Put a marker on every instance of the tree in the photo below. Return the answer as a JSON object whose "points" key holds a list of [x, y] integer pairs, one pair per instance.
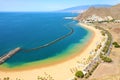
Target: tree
{"points": [[79, 74]]}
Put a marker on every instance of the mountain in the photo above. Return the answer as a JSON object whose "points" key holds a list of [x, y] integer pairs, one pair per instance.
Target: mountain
{"points": [[83, 8], [113, 11]]}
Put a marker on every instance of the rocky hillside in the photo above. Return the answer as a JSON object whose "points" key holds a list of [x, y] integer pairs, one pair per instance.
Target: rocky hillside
{"points": [[113, 11]]}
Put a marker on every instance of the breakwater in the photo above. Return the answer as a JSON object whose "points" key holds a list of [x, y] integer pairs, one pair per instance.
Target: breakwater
{"points": [[14, 51], [52, 42], [8, 55]]}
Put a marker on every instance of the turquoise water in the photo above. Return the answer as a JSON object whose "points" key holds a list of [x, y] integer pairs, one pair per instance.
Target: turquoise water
{"points": [[30, 30]]}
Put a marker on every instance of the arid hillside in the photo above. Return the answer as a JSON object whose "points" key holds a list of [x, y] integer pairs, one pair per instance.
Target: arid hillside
{"points": [[113, 11]]}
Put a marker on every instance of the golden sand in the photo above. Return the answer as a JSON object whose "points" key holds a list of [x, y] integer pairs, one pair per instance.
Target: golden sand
{"points": [[63, 70]]}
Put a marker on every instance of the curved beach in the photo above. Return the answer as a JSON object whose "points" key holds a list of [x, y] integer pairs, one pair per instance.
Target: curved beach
{"points": [[62, 70]]}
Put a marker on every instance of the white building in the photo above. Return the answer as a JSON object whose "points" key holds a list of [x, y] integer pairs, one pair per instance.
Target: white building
{"points": [[95, 18], [117, 21]]}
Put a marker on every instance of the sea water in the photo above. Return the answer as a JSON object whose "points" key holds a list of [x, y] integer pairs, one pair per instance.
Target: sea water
{"points": [[30, 30]]}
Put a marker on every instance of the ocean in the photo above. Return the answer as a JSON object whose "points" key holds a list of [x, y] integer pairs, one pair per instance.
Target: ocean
{"points": [[33, 29]]}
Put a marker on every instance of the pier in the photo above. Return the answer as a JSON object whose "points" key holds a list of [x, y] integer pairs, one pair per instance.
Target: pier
{"points": [[8, 55]]}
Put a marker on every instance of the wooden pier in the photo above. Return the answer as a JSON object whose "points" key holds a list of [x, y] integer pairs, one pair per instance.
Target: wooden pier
{"points": [[8, 55]]}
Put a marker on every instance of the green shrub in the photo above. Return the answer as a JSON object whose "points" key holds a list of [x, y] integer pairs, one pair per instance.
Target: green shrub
{"points": [[79, 74], [87, 76], [116, 45], [75, 78], [105, 58], [103, 33], [90, 73]]}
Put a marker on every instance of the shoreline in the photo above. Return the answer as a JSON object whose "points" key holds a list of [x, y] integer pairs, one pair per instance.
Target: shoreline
{"points": [[40, 64], [64, 65]]}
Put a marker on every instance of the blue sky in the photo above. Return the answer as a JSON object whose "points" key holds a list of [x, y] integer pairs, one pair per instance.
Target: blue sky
{"points": [[48, 5]]}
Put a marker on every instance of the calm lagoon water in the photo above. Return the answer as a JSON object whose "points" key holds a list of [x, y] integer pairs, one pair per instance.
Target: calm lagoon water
{"points": [[30, 30]]}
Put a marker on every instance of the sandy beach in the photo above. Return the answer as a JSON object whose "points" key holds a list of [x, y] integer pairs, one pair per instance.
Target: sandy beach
{"points": [[63, 70]]}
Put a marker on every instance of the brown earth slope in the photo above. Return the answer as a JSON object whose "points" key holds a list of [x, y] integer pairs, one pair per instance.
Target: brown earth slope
{"points": [[113, 11]]}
